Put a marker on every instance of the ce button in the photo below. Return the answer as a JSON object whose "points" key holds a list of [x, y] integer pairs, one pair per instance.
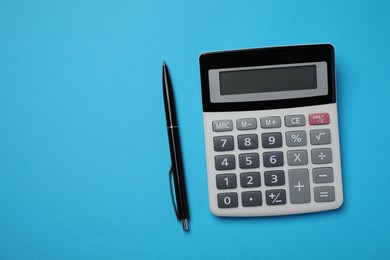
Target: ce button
{"points": [[295, 120]]}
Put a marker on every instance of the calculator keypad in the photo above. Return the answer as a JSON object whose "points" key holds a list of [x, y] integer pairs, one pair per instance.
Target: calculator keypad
{"points": [[273, 161]]}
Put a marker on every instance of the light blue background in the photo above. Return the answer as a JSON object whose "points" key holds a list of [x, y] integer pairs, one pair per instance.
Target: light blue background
{"points": [[83, 145]]}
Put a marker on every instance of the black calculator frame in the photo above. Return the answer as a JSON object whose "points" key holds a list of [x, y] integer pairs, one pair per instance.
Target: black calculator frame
{"points": [[267, 56]]}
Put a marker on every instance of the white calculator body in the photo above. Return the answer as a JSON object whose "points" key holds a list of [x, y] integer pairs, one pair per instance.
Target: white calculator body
{"points": [[271, 130]]}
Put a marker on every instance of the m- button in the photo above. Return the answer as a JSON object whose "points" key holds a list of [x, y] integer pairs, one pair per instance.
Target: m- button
{"points": [[246, 123], [295, 120]]}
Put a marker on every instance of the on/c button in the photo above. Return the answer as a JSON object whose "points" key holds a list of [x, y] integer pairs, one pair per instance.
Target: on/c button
{"points": [[319, 119]]}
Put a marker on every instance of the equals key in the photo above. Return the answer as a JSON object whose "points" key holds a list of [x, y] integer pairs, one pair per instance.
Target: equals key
{"points": [[324, 194]]}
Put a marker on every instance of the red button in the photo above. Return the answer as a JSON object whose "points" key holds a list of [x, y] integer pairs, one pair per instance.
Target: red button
{"points": [[319, 119]]}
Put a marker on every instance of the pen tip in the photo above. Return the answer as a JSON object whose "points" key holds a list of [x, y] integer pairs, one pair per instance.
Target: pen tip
{"points": [[185, 224], [164, 63]]}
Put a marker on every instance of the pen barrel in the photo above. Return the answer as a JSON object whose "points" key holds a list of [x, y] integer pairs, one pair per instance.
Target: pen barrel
{"points": [[178, 172]]}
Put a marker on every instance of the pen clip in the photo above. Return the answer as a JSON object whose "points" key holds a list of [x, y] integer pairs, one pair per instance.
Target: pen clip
{"points": [[171, 189]]}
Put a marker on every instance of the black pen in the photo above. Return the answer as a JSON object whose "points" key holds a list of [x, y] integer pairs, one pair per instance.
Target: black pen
{"points": [[176, 170]]}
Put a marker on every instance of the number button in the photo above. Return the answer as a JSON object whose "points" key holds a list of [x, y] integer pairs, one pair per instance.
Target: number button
{"points": [[226, 181], [227, 200], [246, 142], [296, 138], [223, 143], [224, 162], [273, 159], [274, 178], [250, 179], [271, 140], [249, 160]]}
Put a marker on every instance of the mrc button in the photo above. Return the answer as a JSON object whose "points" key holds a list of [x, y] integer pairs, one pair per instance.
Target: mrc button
{"points": [[222, 125]]}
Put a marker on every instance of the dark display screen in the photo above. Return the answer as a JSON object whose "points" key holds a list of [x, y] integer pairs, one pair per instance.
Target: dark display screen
{"points": [[268, 80]]}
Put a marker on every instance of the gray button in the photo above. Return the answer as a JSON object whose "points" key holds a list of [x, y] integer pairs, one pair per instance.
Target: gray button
{"points": [[323, 175], [324, 194], [275, 197], [249, 160], [251, 198], [223, 143], [274, 178], [271, 140], [227, 200], [273, 159], [294, 120], [320, 136], [226, 181], [296, 138], [270, 122], [299, 186], [246, 142], [250, 179], [297, 157], [225, 162], [246, 124], [222, 125], [323, 155]]}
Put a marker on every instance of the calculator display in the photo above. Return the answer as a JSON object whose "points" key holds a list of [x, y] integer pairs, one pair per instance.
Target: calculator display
{"points": [[268, 80]]}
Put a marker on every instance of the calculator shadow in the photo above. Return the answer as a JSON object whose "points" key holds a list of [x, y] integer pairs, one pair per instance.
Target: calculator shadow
{"points": [[312, 216]]}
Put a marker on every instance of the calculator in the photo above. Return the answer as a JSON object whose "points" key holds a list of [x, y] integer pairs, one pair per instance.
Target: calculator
{"points": [[271, 130]]}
